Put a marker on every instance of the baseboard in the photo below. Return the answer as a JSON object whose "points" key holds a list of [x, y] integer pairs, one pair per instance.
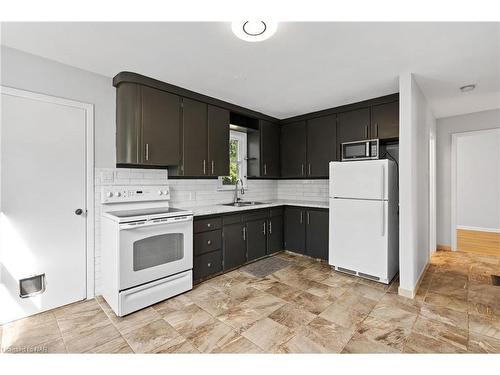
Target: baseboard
{"points": [[443, 248], [410, 293], [482, 242]]}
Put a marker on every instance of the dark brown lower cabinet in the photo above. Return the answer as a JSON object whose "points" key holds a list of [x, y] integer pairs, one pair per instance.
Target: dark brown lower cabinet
{"points": [[234, 245], [256, 232], [207, 264], [306, 231], [295, 232], [275, 234]]}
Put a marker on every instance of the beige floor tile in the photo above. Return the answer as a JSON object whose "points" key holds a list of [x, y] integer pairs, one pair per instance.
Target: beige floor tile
{"points": [[267, 333], [214, 302], [292, 316], [299, 345], [30, 332], [212, 335], [449, 286], [314, 274], [446, 301], [133, 321], [438, 337], [283, 291], [312, 303], [483, 344], [330, 336], [339, 280], [362, 344], [343, 315], [174, 347], [88, 339], [484, 299], [188, 320], [80, 318], [384, 332], [485, 325], [151, 336], [444, 315], [238, 345], [399, 311], [117, 345], [264, 304], [173, 304]]}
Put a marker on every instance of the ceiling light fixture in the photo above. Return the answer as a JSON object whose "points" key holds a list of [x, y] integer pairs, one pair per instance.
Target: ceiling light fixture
{"points": [[254, 31], [467, 88]]}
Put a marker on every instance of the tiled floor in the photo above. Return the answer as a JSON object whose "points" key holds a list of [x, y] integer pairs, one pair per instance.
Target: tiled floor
{"points": [[304, 308]]}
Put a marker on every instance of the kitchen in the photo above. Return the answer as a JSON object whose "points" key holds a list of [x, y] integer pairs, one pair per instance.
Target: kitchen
{"points": [[293, 223]]}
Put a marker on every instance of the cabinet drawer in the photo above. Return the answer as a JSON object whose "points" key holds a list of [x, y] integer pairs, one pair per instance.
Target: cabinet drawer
{"points": [[207, 241], [231, 219], [205, 225], [255, 215], [207, 264]]}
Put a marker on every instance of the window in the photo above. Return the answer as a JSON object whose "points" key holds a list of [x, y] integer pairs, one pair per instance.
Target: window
{"points": [[237, 160]]}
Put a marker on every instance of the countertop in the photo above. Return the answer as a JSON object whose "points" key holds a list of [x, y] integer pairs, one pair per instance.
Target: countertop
{"points": [[221, 209]]}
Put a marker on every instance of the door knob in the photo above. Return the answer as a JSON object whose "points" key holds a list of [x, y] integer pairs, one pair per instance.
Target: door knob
{"points": [[78, 211]]}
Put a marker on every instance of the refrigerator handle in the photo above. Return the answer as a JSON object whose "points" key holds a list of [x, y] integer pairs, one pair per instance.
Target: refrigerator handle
{"points": [[383, 218], [383, 183]]}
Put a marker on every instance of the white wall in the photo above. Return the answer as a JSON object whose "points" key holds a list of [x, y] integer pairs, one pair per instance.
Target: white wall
{"points": [[445, 128], [478, 179], [417, 124], [33, 73]]}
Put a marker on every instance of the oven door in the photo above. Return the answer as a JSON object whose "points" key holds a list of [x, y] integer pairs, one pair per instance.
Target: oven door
{"points": [[154, 249]]}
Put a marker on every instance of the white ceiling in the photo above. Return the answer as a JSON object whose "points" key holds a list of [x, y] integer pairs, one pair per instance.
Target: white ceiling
{"points": [[304, 67]]}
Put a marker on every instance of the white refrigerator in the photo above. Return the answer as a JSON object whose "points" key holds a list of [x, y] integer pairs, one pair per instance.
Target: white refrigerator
{"points": [[364, 225]]}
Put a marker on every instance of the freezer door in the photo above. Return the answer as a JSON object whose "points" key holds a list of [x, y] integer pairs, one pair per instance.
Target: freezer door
{"points": [[358, 236], [359, 179]]}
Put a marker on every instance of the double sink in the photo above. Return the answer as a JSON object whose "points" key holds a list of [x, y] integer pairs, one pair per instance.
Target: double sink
{"points": [[243, 204]]}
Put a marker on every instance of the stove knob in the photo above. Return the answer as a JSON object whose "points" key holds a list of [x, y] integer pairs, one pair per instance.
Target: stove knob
{"points": [[118, 194], [165, 192], [160, 192], [109, 194]]}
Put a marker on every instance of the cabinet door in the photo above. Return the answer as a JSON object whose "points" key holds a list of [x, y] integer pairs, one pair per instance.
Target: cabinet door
{"points": [[256, 239], [194, 125], [160, 127], [293, 149], [270, 149], [321, 145], [233, 245], [317, 233], [275, 234], [218, 141], [128, 129], [295, 232], [385, 121], [353, 125]]}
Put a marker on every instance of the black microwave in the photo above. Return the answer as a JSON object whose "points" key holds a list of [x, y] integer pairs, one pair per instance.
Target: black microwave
{"points": [[360, 150]]}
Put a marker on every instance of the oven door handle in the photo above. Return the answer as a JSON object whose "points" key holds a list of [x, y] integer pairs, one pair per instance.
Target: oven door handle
{"points": [[155, 222]]}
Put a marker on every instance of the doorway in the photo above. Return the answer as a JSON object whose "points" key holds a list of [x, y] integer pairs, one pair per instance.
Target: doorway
{"points": [[46, 203], [475, 190]]}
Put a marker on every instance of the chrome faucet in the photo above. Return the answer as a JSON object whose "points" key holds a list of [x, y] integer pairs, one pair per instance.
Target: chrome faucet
{"points": [[236, 199]]}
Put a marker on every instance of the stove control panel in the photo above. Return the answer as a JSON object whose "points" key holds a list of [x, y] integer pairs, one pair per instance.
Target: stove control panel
{"points": [[130, 193]]}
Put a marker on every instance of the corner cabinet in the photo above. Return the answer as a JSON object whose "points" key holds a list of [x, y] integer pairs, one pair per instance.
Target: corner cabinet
{"points": [[148, 126], [293, 149], [270, 149]]}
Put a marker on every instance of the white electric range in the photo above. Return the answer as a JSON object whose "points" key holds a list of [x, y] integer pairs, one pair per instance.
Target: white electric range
{"points": [[147, 247]]}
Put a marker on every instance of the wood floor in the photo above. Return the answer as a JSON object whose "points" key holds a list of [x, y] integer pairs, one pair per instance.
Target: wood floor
{"points": [[478, 242], [304, 308]]}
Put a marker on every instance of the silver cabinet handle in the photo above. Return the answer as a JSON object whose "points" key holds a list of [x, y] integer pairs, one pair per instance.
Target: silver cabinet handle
{"points": [[147, 151], [264, 228], [302, 170], [265, 169], [308, 218], [213, 166], [301, 217], [366, 131], [376, 129], [309, 169], [204, 166], [244, 233], [270, 227]]}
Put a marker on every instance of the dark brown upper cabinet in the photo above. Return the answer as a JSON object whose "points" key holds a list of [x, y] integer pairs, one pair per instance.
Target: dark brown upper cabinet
{"points": [[385, 121], [148, 125], [194, 138], [354, 125], [218, 141], [321, 145], [270, 149], [293, 149]]}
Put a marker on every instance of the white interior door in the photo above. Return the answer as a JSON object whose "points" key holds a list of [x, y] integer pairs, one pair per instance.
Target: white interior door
{"points": [[43, 182], [358, 235]]}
